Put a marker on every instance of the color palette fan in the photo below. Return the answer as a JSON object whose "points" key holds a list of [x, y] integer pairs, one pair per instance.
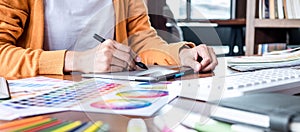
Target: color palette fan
{"points": [[97, 95]]}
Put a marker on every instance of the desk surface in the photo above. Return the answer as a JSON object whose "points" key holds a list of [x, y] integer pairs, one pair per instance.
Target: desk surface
{"points": [[119, 122]]}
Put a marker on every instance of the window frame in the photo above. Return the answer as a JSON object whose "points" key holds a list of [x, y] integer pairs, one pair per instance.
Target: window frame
{"points": [[189, 12]]}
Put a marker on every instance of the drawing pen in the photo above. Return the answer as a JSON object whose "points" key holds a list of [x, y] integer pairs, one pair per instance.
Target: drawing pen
{"points": [[101, 39]]}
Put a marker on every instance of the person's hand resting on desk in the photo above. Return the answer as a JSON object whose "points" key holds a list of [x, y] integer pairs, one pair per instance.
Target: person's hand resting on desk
{"points": [[109, 56], [189, 56]]}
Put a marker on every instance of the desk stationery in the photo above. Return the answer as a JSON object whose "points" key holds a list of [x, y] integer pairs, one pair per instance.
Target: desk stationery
{"points": [[119, 122]]}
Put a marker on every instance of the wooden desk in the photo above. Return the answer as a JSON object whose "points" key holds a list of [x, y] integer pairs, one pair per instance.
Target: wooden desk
{"points": [[118, 123]]}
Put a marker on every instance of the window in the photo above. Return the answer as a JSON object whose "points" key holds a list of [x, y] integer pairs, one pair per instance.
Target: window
{"points": [[193, 10]]}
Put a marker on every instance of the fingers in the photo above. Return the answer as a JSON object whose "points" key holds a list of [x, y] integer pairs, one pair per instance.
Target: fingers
{"points": [[121, 47], [126, 54], [125, 49], [203, 51], [115, 69], [117, 62], [214, 61], [193, 64], [200, 58], [126, 58], [121, 55]]}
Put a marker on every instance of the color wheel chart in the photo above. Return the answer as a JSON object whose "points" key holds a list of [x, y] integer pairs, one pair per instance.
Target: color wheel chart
{"points": [[96, 95]]}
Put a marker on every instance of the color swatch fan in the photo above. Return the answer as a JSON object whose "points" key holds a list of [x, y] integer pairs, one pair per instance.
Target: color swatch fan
{"points": [[96, 95]]}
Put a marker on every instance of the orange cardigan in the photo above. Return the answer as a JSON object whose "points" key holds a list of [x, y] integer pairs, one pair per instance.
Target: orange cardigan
{"points": [[22, 34]]}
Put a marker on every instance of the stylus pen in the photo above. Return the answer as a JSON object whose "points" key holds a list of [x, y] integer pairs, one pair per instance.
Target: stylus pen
{"points": [[101, 39]]}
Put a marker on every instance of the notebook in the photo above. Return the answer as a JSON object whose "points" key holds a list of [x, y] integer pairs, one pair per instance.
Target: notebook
{"points": [[278, 112], [277, 59], [153, 74]]}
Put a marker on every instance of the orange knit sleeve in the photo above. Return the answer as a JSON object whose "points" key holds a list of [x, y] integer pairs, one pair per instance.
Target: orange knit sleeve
{"points": [[144, 40], [20, 41]]}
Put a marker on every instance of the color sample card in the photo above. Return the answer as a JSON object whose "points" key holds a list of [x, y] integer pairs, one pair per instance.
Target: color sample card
{"points": [[35, 85], [97, 95]]}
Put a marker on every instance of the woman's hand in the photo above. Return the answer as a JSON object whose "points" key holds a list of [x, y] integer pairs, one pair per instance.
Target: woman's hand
{"points": [[109, 56], [189, 57]]}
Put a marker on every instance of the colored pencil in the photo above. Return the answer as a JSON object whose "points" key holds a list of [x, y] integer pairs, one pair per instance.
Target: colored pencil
{"points": [[104, 128], [77, 127], [55, 127], [34, 125], [45, 126], [82, 128], [20, 122], [94, 127], [26, 125], [68, 127]]}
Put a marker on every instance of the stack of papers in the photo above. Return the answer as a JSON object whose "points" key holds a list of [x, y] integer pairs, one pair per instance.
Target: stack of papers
{"points": [[285, 58]]}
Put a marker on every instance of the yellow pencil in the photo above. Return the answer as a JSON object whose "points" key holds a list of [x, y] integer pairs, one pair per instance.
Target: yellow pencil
{"points": [[68, 127], [94, 127]]}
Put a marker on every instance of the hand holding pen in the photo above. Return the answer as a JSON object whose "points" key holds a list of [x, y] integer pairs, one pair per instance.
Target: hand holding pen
{"points": [[125, 49]]}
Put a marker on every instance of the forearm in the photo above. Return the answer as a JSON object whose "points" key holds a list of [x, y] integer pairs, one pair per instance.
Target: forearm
{"points": [[72, 61], [20, 62], [69, 58]]}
